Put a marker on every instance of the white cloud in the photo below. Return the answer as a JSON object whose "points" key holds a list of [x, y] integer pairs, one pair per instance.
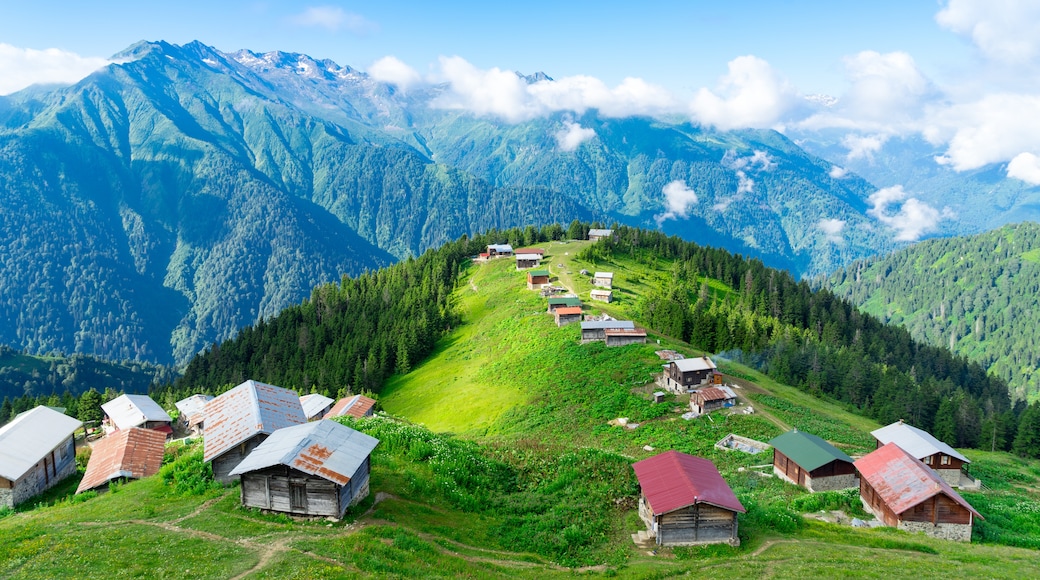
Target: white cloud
{"points": [[21, 67], [678, 199], [885, 87], [572, 135], [759, 158], [832, 229], [1003, 30], [391, 70], [334, 19], [750, 95], [914, 218], [993, 129], [837, 172], [862, 146], [1025, 166], [744, 183]]}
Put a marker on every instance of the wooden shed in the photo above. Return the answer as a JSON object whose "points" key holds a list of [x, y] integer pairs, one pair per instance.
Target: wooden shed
{"points": [[944, 459], [597, 329], [602, 295], [528, 261], [806, 460], [240, 419], [685, 501], [567, 314], [536, 279], [624, 336], [596, 235], [126, 454], [557, 302], [603, 279], [315, 469], [711, 399], [499, 250], [903, 492], [37, 450]]}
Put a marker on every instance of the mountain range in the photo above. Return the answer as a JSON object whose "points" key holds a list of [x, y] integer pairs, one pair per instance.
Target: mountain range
{"points": [[181, 193]]}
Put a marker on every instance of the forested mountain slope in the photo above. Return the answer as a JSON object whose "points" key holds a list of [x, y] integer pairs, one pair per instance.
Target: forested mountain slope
{"points": [[977, 295], [169, 199]]}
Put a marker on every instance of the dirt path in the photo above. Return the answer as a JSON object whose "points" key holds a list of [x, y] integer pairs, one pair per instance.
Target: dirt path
{"points": [[202, 507], [747, 386]]}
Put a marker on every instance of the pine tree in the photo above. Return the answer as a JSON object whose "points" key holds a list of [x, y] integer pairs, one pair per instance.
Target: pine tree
{"points": [[945, 428], [90, 407], [1027, 441]]}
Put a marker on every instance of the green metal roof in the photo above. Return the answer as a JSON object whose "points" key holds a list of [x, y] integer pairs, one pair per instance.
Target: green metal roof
{"points": [[808, 451], [565, 301], [538, 272]]}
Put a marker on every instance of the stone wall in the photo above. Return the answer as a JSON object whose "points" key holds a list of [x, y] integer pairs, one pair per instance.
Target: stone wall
{"points": [[957, 478], [956, 532], [832, 483], [6, 498]]}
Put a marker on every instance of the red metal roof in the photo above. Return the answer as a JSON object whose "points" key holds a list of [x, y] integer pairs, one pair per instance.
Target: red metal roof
{"points": [[132, 453], [529, 251], [356, 406], [713, 394], [565, 310], [902, 481], [674, 480], [247, 410]]}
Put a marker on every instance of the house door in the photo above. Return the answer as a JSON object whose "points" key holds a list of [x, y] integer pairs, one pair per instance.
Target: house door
{"points": [[298, 496]]}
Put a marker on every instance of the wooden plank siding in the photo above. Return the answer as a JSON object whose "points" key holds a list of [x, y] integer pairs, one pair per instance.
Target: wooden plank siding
{"points": [[223, 465], [284, 489], [698, 523]]}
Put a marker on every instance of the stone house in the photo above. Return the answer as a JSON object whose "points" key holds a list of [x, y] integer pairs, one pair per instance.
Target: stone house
{"points": [[37, 450], [945, 460]]}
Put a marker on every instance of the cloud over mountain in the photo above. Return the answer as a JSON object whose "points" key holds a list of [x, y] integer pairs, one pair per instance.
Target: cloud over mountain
{"points": [[21, 67]]}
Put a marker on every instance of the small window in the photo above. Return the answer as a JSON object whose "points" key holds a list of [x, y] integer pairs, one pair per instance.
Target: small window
{"points": [[928, 460], [298, 496], [945, 459]]}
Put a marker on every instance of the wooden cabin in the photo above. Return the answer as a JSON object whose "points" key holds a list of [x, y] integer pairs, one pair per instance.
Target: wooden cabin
{"points": [[528, 261], [126, 411], [601, 295], [810, 462], [597, 329], [567, 314], [903, 492], [944, 459], [685, 501], [624, 336], [709, 399], [193, 413], [603, 279], [356, 406], [499, 250], [37, 451], [316, 406], [242, 418], [689, 373], [126, 454], [539, 251], [596, 235], [558, 301], [315, 469], [536, 279]]}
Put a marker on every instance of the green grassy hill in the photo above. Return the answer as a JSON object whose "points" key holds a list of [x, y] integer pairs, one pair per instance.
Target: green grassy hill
{"points": [[502, 462]]}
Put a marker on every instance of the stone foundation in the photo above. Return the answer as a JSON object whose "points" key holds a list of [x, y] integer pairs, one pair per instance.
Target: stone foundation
{"points": [[956, 532], [832, 483], [6, 498], [957, 478]]}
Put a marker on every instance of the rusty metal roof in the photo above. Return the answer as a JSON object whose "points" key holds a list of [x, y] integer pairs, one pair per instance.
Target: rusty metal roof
{"points": [[323, 448], [193, 405], [356, 406], [314, 404], [715, 394], [132, 453], [30, 436], [914, 441], [538, 251], [673, 480], [247, 410], [565, 310], [128, 411], [902, 481]]}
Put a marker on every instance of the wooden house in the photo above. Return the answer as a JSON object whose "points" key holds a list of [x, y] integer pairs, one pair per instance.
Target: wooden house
{"points": [[708, 399], [601, 295], [315, 469], [558, 301], [126, 454], [356, 406], [536, 279], [603, 279], [567, 314], [126, 411], [624, 336], [316, 406], [903, 492], [806, 460], [37, 450], [499, 250], [689, 373], [528, 261], [193, 413], [685, 501], [597, 329], [240, 419], [596, 235], [945, 460], [539, 251]]}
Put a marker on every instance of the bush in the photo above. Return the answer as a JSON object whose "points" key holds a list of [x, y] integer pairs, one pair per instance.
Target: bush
{"points": [[189, 474]]}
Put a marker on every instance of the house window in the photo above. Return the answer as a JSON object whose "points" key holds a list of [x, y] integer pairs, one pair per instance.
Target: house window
{"points": [[928, 460], [64, 452], [298, 496], [945, 460]]}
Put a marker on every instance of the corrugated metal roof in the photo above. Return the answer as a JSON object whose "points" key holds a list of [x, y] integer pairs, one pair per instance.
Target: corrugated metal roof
{"points": [[30, 436], [565, 301], [355, 406], [314, 404], [715, 394], [607, 324], [538, 251], [193, 405], [807, 450], [902, 481], [915, 441], [701, 363], [568, 310], [600, 292], [247, 410], [674, 480], [533, 273], [323, 448], [128, 411], [133, 453], [603, 275], [500, 248], [624, 332], [535, 257], [596, 232]]}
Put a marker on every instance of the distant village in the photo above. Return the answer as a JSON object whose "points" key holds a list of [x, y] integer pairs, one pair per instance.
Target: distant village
{"points": [[290, 457]]}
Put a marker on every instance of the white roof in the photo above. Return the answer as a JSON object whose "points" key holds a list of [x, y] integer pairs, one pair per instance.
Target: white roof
{"points": [[604, 275], [608, 324], [314, 404], [528, 257], [128, 411], [914, 441], [600, 232], [193, 404], [601, 292], [30, 436], [500, 247], [322, 448], [701, 363]]}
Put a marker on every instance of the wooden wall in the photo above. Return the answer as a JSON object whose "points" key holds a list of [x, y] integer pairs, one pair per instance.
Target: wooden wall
{"points": [[699, 523], [284, 489], [223, 464]]}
